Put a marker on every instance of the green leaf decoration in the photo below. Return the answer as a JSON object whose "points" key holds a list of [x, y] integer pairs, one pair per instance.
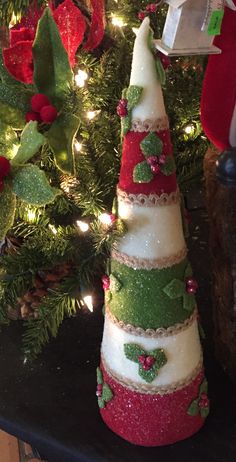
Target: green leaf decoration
{"points": [[11, 115], [126, 123], [115, 284], [124, 93], [101, 403], [189, 302], [151, 145], [52, 71], [108, 296], [204, 412], [175, 289], [133, 351], [31, 141], [193, 409], [7, 210], [133, 95], [30, 184], [188, 272], [152, 373], [99, 376], [169, 166], [142, 173], [160, 72], [61, 136], [107, 394], [8, 141], [203, 387]]}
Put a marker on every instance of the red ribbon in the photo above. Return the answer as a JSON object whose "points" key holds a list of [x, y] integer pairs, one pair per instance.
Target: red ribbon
{"points": [[97, 28]]}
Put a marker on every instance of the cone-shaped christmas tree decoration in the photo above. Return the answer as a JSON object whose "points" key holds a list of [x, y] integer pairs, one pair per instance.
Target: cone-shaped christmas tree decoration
{"points": [[151, 386]]}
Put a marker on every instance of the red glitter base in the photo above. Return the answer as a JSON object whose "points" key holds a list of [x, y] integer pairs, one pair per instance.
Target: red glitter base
{"points": [[132, 155], [151, 420]]}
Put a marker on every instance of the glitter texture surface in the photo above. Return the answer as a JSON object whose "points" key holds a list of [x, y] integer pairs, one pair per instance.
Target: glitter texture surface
{"points": [[152, 420]]}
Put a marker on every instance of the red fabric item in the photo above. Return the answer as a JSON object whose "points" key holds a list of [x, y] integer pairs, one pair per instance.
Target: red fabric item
{"points": [[18, 60], [97, 25], [38, 101], [5, 167], [48, 114], [132, 155], [219, 86], [72, 26], [19, 35], [151, 420], [31, 115]]}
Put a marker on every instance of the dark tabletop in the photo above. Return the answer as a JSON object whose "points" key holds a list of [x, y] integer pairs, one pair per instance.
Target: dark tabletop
{"points": [[52, 404]]}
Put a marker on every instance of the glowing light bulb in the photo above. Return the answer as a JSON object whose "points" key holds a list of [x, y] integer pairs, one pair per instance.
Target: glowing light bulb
{"points": [[189, 129], [31, 215], [78, 146], [92, 114], [117, 21], [82, 225], [88, 300], [80, 78], [106, 219], [53, 229]]}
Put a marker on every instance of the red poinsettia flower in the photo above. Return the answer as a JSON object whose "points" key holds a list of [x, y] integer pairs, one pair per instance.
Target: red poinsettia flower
{"points": [[18, 58]]}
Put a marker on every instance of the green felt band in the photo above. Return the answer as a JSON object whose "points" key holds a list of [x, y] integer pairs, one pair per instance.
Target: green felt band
{"points": [[141, 300]]}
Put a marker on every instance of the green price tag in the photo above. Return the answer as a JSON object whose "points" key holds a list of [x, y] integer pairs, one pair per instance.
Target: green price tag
{"points": [[215, 22]]}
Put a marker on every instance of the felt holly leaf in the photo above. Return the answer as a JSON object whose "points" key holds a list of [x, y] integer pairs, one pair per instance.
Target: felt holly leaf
{"points": [[133, 96], [204, 411], [189, 302], [31, 141], [161, 75], [8, 140], [160, 361], [30, 184], [115, 284], [126, 123], [133, 351], [142, 173], [7, 210], [52, 72], [61, 136], [107, 394], [175, 289], [203, 387], [151, 145], [188, 271], [124, 93], [108, 296], [16, 96], [101, 403], [99, 376], [11, 116], [193, 409], [169, 166]]}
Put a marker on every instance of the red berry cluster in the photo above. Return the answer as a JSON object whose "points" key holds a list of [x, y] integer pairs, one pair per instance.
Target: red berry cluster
{"points": [[105, 282], [156, 163], [204, 401], [122, 109], [146, 361], [150, 8], [5, 168], [191, 286], [41, 109], [99, 390]]}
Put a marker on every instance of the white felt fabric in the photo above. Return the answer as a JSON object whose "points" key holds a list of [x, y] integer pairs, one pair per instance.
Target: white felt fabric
{"points": [[183, 353]]}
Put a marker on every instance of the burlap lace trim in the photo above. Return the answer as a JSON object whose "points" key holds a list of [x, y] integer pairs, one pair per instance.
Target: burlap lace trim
{"points": [[151, 200], [146, 263], [150, 389], [153, 333], [150, 125]]}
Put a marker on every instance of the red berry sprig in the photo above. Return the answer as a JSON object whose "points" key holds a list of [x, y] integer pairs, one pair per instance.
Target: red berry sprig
{"points": [[191, 286], [105, 282], [146, 361], [5, 168], [41, 109], [122, 108], [150, 8], [204, 401], [156, 163]]}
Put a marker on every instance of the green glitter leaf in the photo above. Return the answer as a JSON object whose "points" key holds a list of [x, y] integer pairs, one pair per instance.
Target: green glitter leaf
{"points": [[203, 387], [115, 284], [8, 140], [107, 394], [193, 409], [189, 302], [151, 145], [188, 272], [52, 71], [31, 141], [160, 72], [61, 136], [160, 361], [11, 115], [101, 403], [99, 376], [133, 94], [175, 289], [124, 93], [7, 210], [133, 351], [204, 411], [126, 123], [169, 166], [31, 185], [142, 173]]}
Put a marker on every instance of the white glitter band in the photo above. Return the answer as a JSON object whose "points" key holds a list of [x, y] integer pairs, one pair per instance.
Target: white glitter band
{"points": [[146, 263], [151, 200], [150, 125]]}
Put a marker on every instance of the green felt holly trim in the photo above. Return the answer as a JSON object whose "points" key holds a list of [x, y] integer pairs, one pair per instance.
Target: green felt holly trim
{"points": [[61, 136], [133, 352], [161, 75], [115, 284], [142, 302], [107, 394], [11, 115], [31, 141], [151, 145], [195, 407], [7, 210], [177, 289], [30, 184], [133, 95], [126, 123], [142, 173], [169, 166], [52, 71], [8, 140]]}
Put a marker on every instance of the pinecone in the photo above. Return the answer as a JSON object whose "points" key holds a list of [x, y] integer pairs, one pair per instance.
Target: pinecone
{"points": [[44, 282]]}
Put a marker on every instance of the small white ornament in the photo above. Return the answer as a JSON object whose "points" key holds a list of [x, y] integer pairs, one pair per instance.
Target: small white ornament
{"points": [[185, 30]]}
